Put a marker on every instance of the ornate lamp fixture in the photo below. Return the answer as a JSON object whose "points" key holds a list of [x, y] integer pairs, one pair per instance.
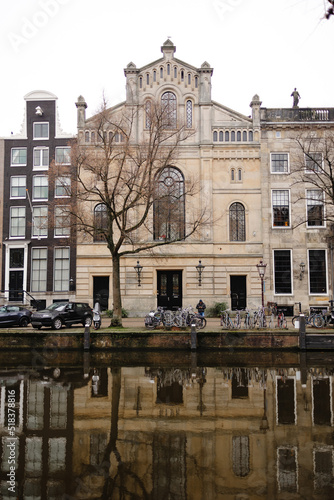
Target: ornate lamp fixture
{"points": [[200, 268], [138, 268], [261, 267]]}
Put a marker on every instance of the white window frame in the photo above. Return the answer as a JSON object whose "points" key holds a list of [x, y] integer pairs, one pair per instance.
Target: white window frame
{"points": [[272, 209], [64, 272], [40, 222], [38, 137], [281, 294], [61, 230], [58, 148], [271, 162], [12, 164], [322, 226], [41, 165], [39, 269], [35, 187], [308, 268], [23, 197], [61, 181], [21, 216]]}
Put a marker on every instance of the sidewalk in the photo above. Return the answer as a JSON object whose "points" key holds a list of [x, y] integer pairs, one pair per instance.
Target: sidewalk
{"points": [[212, 323]]}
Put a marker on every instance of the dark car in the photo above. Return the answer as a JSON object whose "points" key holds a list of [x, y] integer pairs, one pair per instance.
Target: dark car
{"points": [[63, 314], [14, 315]]}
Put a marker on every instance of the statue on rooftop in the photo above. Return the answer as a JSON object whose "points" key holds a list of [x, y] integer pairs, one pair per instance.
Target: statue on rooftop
{"points": [[296, 97]]}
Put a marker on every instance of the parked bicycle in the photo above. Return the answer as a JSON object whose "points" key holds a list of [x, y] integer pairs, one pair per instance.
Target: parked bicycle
{"points": [[155, 318]]}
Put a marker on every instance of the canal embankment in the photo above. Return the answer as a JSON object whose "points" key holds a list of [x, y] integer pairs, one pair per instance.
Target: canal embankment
{"points": [[134, 336]]}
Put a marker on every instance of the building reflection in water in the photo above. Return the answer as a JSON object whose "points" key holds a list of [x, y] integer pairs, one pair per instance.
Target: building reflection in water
{"points": [[155, 432]]}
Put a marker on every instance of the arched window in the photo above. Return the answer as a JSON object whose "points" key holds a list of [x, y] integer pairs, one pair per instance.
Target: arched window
{"points": [[100, 222], [237, 222], [92, 136], [140, 82], [154, 76], [86, 136], [221, 136], [168, 103], [238, 136], [189, 78], [232, 136], [227, 136], [175, 72], [196, 82], [169, 205], [182, 75], [189, 113], [148, 114], [251, 136], [147, 78], [232, 174], [239, 174], [161, 72], [244, 136], [215, 136], [168, 69]]}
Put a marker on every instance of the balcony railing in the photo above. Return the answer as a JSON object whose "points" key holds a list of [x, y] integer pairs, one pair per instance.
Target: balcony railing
{"points": [[297, 114]]}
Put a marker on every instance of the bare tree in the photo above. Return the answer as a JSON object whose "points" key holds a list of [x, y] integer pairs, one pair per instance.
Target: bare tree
{"points": [[312, 169], [126, 192]]}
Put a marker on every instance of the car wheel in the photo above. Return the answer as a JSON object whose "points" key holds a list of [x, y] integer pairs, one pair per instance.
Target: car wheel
{"points": [[57, 324], [24, 322], [87, 321]]}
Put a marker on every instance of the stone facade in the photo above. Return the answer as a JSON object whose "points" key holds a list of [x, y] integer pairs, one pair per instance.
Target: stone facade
{"points": [[231, 155]]}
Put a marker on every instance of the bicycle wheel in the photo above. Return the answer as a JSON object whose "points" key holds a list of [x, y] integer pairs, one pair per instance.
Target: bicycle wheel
{"points": [[318, 321], [150, 322], [200, 322], [168, 319]]}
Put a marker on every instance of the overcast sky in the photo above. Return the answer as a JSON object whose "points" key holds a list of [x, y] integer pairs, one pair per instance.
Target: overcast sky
{"points": [[73, 47]]}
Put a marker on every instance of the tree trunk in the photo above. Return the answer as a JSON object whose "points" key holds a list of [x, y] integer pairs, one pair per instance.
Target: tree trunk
{"points": [[116, 290]]}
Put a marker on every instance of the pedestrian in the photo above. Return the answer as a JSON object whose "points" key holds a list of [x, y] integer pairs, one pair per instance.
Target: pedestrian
{"points": [[201, 307]]}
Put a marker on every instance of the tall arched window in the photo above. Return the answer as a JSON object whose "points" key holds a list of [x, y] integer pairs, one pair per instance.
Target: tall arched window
{"points": [[237, 222], [100, 222], [221, 136], [189, 113], [168, 103], [169, 205], [148, 114]]}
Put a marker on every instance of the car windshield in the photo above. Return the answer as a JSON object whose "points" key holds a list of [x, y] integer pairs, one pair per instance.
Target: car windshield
{"points": [[57, 306]]}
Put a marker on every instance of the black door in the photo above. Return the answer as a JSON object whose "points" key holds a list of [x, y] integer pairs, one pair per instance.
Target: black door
{"points": [[101, 291], [16, 286], [169, 289], [238, 293]]}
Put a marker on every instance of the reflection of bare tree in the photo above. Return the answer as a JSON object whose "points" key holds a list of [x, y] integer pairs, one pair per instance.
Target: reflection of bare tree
{"points": [[116, 485]]}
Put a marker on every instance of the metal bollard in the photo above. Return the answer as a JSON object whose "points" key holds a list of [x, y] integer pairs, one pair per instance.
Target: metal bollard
{"points": [[302, 332], [193, 337]]}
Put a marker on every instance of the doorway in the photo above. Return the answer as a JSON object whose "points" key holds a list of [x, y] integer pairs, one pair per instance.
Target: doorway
{"points": [[169, 285], [238, 292], [101, 291]]}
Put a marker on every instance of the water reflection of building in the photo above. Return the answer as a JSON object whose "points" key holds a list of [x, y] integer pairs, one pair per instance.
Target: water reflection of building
{"points": [[206, 433], [43, 429]]}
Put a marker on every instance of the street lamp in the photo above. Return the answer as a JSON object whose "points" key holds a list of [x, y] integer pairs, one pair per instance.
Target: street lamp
{"points": [[200, 268], [138, 268], [262, 271]]}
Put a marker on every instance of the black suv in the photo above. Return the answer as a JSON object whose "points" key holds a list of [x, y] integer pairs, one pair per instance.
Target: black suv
{"points": [[63, 314]]}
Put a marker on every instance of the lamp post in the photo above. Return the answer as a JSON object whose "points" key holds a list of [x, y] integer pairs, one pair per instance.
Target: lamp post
{"points": [[200, 268], [261, 267], [138, 268]]}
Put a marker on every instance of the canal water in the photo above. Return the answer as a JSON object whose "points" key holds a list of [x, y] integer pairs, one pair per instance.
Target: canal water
{"points": [[171, 425]]}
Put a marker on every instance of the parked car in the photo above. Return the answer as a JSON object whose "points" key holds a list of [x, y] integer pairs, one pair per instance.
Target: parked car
{"points": [[14, 315], [62, 314]]}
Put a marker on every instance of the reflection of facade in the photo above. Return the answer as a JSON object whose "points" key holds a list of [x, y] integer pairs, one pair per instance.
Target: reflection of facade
{"points": [[44, 432], [207, 433]]}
